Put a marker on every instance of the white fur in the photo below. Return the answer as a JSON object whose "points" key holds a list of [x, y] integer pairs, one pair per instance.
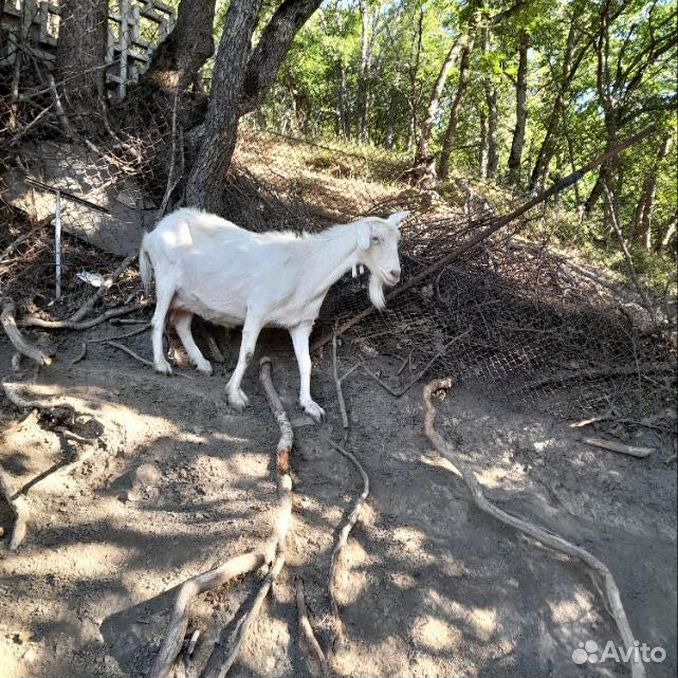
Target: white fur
{"points": [[208, 266]]}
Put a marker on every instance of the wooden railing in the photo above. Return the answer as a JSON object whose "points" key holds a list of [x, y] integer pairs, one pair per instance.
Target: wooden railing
{"points": [[135, 28]]}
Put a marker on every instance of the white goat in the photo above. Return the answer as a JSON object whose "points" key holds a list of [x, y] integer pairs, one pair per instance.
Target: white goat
{"points": [[208, 266]]}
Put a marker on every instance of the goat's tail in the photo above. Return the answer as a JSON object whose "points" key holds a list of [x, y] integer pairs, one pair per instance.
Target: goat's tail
{"points": [[145, 266]]}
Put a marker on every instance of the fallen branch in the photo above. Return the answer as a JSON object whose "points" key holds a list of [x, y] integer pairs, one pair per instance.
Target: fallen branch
{"points": [[19, 507], [176, 629], [611, 592], [100, 293], [621, 448], [307, 629], [495, 225], [32, 321], [343, 537], [402, 391], [283, 514], [8, 320]]}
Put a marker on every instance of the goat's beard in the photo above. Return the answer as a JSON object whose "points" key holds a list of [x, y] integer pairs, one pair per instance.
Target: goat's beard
{"points": [[376, 290]]}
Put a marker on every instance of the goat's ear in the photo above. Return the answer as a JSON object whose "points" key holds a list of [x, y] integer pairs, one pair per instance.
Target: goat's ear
{"points": [[364, 235], [395, 220]]}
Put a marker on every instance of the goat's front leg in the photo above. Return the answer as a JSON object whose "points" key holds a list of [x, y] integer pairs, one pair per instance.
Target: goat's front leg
{"points": [[300, 335], [250, 331]]}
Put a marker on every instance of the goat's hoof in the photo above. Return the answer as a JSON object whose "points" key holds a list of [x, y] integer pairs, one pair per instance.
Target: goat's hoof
{"points": [[238, 400], [204, 368], [163, 367], [314, 411]]}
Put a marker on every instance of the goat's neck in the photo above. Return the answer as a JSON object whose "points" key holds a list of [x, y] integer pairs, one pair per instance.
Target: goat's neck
{"points": [[332, 254]]}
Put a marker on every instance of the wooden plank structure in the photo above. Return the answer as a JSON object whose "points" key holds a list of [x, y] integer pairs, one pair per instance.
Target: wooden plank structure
{"points": [[135, 28]]}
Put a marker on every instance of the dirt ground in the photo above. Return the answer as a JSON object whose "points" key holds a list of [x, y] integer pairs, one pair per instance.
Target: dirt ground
{"points": [[174, 483]]}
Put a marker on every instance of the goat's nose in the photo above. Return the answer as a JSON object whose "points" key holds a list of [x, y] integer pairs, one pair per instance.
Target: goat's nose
{"points": [[395, 273]]}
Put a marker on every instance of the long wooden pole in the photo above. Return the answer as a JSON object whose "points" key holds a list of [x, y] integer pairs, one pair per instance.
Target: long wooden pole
{"points": [[492, 228]]}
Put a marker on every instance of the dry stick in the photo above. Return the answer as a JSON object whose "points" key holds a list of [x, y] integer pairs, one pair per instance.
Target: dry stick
{"points": [[283, 516], [176, 629], [625, 251], [494, 226], [621, 448], [130, 352], [124, 335], [337, 383], [612, 597], [20, 509], [32, 321], [307, 629], [8, 320], [100, 293], [80, 356], [217, 355], [417, 377], [343, 536]]}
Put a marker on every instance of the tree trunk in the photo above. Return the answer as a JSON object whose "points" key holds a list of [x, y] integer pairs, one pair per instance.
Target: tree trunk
{"points": [[669, 230], [344, 106], [455, 110], [492, 116], [270, 51], [516, 155], [179, 58], [239, 83], [414, 72], [434, 102], [205, 184], [642, 224], [368, 33], [81, 47], [482, 155]]}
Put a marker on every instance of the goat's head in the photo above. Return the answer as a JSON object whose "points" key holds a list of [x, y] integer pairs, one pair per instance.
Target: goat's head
{"points": [[378, 250]]}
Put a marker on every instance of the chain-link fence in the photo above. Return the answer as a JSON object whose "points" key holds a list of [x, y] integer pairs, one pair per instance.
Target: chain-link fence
{"points": [[512, 317]]}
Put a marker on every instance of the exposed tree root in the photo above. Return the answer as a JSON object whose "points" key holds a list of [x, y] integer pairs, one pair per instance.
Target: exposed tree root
{"points": [[307, 629], [176, 629], [343, 537], [19, 507], [611, 592], [32, 321], [8, 320], [24, 403], [274, 551]]}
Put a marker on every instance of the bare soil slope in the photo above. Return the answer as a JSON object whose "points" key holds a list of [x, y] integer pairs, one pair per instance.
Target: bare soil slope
{"points": [[174, 483]]}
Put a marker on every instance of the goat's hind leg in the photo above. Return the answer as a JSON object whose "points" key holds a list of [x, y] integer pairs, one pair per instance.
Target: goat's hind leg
{"points": [[182, 324], [164, 292]]}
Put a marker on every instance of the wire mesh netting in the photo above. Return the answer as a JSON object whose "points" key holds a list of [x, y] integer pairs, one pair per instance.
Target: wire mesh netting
{"points": [[513, 317]]}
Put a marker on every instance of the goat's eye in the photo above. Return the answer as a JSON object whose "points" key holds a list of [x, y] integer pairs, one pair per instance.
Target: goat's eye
{"points": [[375, 240]]}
